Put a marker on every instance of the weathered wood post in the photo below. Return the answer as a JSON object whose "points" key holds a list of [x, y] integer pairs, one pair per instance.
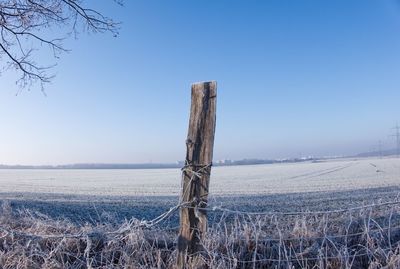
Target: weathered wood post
{"points": [[196, 174]]}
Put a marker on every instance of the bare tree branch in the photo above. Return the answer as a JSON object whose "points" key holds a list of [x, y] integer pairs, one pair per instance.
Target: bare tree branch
{"points": [[25, 24]]}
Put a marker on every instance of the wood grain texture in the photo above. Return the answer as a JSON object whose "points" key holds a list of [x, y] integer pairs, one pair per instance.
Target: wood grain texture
{"points": [[196, 173]]}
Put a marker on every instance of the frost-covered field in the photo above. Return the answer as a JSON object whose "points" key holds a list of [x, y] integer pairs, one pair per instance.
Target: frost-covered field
{"points": [[82, 195], [104, 204], [333, 175]]}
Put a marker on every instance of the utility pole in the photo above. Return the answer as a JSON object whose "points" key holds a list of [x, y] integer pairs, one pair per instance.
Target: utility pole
{"points": [[397, 135]]}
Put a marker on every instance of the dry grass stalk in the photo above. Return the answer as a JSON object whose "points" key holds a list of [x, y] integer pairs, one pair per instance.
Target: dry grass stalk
{"points": [[365, 238]]}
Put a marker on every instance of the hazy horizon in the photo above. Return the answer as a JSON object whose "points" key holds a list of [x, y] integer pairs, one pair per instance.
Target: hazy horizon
{"points": [[373, 150], [294, 79]]}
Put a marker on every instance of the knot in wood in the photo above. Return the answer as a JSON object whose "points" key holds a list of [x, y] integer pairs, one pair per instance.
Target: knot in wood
{"points": [[189, 142]]}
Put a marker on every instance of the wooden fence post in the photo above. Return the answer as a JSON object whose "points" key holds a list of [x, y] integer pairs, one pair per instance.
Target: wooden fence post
{"points": [[196, 174]]}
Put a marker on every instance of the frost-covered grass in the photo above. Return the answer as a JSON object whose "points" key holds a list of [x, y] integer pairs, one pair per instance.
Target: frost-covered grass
{"points": [[365, 238], [331, 175]]}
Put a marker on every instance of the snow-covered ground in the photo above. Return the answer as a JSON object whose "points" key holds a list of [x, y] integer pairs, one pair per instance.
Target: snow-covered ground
{"points": [[330, 175]]}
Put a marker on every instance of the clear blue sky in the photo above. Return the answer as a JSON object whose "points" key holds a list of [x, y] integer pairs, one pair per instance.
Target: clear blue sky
{"points": [[294, 77]]}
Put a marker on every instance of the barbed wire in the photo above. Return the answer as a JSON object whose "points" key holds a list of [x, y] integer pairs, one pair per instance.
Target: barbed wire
{"points": [[313, 238], [272, 213], [134, 223]]}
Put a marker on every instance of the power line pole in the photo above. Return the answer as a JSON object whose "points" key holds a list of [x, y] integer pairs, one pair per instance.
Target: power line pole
{"points": [[397, 135]]}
